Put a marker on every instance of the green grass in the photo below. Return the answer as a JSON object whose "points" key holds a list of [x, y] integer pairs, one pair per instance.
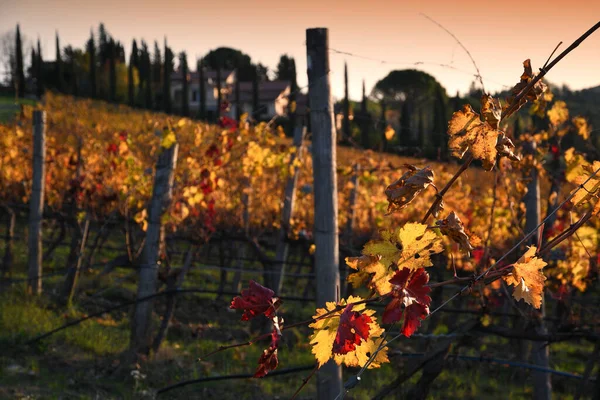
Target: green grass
{"points": [[9, 108]]}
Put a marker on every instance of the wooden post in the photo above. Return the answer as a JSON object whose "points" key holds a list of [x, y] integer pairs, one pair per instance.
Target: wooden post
{"points": [[329, 377], [162, 193], [74, 266], [36, 204], [7, 260], [540, 353], [282, 247]]}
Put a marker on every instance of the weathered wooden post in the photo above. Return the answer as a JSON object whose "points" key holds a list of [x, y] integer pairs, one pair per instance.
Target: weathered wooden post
{"points": [[329, 377], [162, 193], [36, 204], [289, 194], [540, 352]]}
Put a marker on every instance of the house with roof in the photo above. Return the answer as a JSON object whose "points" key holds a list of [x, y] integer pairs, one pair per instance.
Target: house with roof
{"points": [[272, 95], [272, 99], [210, 87]]}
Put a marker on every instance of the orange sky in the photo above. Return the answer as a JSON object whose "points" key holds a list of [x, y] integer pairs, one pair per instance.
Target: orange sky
{"points": [[499, 35]]}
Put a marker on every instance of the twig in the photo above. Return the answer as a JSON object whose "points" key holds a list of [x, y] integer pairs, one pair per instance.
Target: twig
{"points": [[551, 54], [439, 196], [461, 45], [305, 381], [543, 71]]}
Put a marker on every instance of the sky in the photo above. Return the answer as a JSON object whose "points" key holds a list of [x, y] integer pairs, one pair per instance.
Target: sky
{"points": [[379, 35]]}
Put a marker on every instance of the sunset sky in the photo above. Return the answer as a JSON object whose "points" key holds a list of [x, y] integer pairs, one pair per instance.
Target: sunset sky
{"points": [[499, 35]]}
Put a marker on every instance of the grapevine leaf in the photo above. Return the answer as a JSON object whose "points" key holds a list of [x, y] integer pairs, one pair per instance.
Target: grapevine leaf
{"points": [[326, 332], [505, 147], [535, 93], [409, 246], [410, 300], [389, 133], [361, 264], [168, 139], [410, 184], [452, 227], [528, 278], [256, 300], [268, 360], [491, 110], [583, 129], [559, 113], [468, 132], [353, 328], [590, 189]]}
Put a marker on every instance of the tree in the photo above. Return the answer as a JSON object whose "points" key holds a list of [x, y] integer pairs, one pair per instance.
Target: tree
{"points": [[20, 75], [230, 59], [39, 66], [292, 97], [202, 88], [146, 75], [183, 66], [256, 111], [58, 66], [383, 126], [406, 132], [157, 77], [440, 118], [408, 90], [112, 66], [91, 50], [168, 70], [364, 120], [75, 60], [346, 105], [132, 64], [219, 95], [286, 69], [8, 57]]}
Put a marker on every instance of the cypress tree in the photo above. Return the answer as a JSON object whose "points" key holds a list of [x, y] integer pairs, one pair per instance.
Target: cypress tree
{"points": [[148, 80], [201, 89], [112, 96], [59, 71], [346, 105], [20, 74], [157, 76], [32, 70], [185, 103], [39, 71], [168, 68], [422, 139], [130, 83], [364, 121], [219, 97], [383, 123], [91, 49]]}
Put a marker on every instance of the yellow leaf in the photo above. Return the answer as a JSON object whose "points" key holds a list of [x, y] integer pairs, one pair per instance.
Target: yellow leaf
{"points": [[181, 122], [293, 106], [468, 132], [168, 140], [325, 331], [583, 129], [407, 247], [528, 278], [559, 113], [591, 188], [389, 133], [312, 249]]}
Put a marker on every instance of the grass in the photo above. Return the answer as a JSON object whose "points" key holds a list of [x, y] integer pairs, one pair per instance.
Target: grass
{"points": [[9, 108]]}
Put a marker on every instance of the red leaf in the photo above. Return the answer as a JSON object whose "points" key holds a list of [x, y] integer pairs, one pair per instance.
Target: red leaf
{"points": [[112, 148], [410, 299], [268, 360], [256, 300], [123, 136], [412, 318], [353, 328]]}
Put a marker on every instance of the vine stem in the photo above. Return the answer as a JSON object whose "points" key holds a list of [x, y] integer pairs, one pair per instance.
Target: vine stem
{"points": [[305, 381], [439, 196]]}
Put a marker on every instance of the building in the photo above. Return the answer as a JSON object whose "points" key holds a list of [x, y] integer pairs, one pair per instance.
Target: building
{"points": [[272, 95], [210, 86]]}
